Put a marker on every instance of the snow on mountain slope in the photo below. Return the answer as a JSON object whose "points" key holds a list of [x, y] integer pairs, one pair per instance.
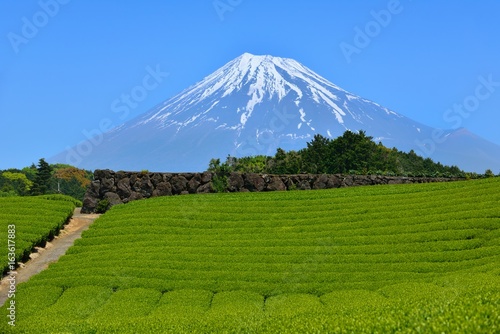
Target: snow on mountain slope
{"points": [[253, 105], [254, 80]]}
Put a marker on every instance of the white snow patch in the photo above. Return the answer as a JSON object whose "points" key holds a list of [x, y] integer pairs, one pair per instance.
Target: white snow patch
{"points": [[212, 106], [336, 110], [302, 115], [243, 119], [388, 112]]}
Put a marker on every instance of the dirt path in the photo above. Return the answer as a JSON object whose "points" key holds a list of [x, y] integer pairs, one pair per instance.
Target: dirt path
{"points": [[42, 257]]}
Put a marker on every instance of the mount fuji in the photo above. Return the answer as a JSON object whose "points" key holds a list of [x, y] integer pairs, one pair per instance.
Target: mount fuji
{"points": [[255, 104]]}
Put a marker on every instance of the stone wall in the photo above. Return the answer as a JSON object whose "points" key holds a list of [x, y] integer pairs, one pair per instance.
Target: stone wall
{"points": [[123, 187]]}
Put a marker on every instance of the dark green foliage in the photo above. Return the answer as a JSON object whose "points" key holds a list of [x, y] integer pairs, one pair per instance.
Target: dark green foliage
{"points": [[220, 183], [41, 185], [351, 153], [70, 187], [489, 173], [318, 154], [221, 174], [102, 206], [357, 153], [285, 163]]}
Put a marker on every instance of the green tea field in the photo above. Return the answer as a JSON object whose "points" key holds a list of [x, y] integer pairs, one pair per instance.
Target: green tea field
{"points": [[421, 258], [28, 222]]}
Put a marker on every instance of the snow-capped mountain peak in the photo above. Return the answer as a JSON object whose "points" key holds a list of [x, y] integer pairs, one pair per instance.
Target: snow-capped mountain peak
{"points": [[256, 80], [250, 106]]}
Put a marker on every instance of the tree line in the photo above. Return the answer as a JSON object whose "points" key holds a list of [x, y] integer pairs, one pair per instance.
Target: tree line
{"points": [[45, 178], [351, 153]]}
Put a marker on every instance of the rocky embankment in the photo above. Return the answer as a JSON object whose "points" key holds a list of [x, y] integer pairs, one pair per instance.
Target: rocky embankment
{"points": [[123, 187]]}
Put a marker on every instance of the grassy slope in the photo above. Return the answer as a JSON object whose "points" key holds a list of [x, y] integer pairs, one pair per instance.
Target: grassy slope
{"points": [[385, 258], [36, 219]]}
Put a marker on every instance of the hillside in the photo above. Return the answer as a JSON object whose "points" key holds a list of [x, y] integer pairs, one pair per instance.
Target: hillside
{"points": [[30, 222], [382, 258]]}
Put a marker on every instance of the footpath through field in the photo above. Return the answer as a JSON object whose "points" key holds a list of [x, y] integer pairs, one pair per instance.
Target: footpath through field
{"points": [[41, 259]]}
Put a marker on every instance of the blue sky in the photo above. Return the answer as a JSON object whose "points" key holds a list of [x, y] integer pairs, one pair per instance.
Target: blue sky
{"points": [[65, 62]]}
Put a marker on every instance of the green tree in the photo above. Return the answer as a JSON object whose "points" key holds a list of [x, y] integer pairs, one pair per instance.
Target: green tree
{"points": [[277, 165], [213, 165], [254, 164], [221, 173], [317, 155], [489, 173], [293, 163], [18, 182], [30, 172], [43, 176], [352, 152]]}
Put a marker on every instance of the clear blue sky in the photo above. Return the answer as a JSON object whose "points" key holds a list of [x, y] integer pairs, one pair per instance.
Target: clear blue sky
{"points": [[61, 78]]}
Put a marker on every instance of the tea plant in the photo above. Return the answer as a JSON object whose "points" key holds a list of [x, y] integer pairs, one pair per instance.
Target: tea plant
{"points": [[400, 258]]}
